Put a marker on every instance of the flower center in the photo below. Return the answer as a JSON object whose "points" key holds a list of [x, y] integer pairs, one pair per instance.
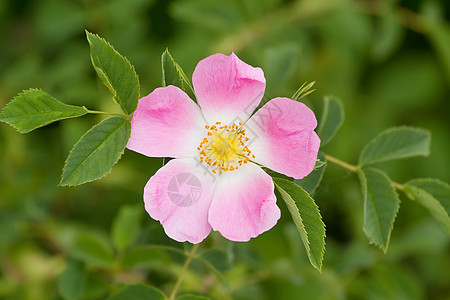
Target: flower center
{"points": [[223, 147]]}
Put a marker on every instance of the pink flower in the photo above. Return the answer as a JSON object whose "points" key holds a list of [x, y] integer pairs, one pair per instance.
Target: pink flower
{"points": [[215, 181]]}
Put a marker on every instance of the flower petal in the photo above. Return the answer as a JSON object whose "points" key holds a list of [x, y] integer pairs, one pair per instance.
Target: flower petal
{"points": [[282, 137], [179, 196], [227, 89], [166, 123], [244, 203]]}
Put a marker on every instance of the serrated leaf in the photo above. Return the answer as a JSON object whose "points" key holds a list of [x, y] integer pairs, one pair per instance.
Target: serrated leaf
{"points": [[217, 259], [307, 218], [172, 74], [116, 73], [434, 195], [312, 181], [92, 249], [35, 108], [331, 119], [72, 281], [126, 225], [381, 204], [97, 151], [395, 143], [138, 292]]}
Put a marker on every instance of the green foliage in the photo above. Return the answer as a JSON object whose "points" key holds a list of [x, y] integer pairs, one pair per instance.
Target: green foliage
{"points": [[116, 73], [34, 108], [97, 286], [354, 49], [126, 226], [213, 15], [138, 292], [381, 204], [307, 218], [173, 74], [192, 297], [388, 36], [312, 181], [279, 65], [332, 118], [71, 283], [396, 143], [151, 255], [303, 91], [218, 259], [93, 249], [432, 194], [438, 32], [97, 151]]}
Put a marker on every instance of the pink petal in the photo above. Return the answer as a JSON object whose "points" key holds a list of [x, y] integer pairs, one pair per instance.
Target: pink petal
{"points": [[179, 196], [166, 123], [244, 203], [227, 89], [283, 137]]}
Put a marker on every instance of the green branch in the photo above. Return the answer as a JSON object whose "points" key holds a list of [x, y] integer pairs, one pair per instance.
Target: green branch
{"points": [[190, 256]]}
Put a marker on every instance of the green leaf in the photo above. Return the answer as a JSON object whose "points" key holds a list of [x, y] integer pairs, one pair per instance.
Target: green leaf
{"points": [[331, 119], [149, 256], [279, 65], [34, 108], [381, 204], [217, 259], [192, 297], [97, 286], [72, 281], [434, 195], [138, 292], [172, 74], [116, 73], [307, 218], [312, 181], [97, 151], [395, 143], [126, 226], [92, 249]]}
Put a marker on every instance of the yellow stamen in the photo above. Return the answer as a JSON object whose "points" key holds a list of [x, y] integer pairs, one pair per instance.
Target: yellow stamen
{"points": [[223, 147]]}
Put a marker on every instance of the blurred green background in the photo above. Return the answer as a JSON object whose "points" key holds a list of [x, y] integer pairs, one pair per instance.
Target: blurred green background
{"points": [[387, 60]]}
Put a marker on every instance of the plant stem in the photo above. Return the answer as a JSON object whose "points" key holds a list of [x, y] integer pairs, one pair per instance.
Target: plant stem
{"points": [[397, 185], [105, 113], [355, 169], [341, 163], [190, 256], [407, 18]]}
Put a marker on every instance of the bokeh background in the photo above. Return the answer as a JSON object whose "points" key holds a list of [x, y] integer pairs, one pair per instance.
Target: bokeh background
{"points": [[387, 60]]}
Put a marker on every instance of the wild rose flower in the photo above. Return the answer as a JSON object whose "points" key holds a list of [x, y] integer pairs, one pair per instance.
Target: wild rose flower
{"points": [[233, 195]]}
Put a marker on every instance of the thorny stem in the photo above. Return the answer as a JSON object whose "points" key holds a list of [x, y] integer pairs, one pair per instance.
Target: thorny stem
{"points": [[190, 256], [354, 168]]}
